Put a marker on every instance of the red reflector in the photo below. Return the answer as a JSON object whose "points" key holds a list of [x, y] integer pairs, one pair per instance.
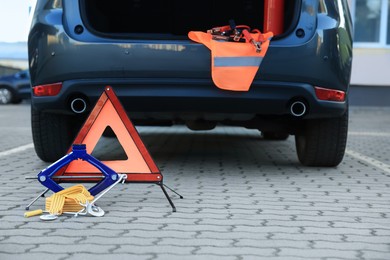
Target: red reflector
{"points": [[329, 94], [47, 90]]}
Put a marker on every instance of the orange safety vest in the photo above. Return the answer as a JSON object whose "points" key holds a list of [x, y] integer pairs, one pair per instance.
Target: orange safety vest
{"points": [[234, 64]]}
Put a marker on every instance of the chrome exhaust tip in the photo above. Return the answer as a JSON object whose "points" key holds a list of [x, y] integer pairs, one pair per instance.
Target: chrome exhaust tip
{"points": [[78, 105], [298, 109]]}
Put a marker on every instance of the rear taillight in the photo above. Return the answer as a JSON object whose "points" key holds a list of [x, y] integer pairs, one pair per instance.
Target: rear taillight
{"points": [[47, 90], [329, 94]]}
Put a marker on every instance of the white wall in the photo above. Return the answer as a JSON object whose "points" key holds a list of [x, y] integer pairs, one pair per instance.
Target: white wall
{"points": [[371, 66]]}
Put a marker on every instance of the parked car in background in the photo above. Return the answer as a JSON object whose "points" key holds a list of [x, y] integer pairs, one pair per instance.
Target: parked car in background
{"points": [[14, 88], [141, 48]]}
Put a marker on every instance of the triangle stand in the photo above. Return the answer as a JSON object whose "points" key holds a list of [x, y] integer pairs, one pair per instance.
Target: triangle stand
{"points": [[139, 167]]}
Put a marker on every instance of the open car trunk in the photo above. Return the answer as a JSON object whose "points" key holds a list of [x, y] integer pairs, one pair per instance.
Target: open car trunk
{"points": [[173, 19]]}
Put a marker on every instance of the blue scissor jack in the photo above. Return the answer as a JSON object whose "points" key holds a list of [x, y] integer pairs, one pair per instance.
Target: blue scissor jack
{"points": [[109, 178], [78, 152]]}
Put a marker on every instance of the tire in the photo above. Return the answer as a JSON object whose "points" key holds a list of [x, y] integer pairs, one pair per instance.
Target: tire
{"points": [[17, 101], [6, 96], [276, 136], [52, 135], [322, 142]]}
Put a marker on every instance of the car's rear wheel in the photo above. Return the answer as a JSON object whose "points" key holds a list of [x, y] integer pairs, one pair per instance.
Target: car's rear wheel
{"points": [[6, 95], [322, 142], [52, 134]]}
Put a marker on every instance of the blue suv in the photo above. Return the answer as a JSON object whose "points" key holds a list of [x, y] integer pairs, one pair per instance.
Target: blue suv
{"points": [[141, 48]]}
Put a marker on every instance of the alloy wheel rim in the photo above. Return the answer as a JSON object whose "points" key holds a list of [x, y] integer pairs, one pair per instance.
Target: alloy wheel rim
{"points": [[5, 96]]}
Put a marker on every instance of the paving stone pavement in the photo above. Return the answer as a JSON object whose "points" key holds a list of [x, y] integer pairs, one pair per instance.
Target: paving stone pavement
{"points": [[244, 198]]}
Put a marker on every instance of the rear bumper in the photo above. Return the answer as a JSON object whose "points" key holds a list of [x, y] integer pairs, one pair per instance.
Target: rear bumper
{"points": [[165, 98]]}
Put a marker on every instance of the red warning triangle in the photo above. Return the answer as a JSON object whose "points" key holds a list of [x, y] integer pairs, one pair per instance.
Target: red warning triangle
{"points": [[108, 111]]}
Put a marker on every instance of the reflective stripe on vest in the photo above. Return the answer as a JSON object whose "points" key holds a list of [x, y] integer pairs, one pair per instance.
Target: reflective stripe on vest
{"points": [[237, 61]]}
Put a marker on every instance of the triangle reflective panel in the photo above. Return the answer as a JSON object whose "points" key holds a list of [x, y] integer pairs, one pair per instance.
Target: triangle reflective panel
{"points": [[108, 112]]}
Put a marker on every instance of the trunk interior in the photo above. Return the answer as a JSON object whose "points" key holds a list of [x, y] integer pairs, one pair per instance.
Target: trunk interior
{"points": [[173, 19]]}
